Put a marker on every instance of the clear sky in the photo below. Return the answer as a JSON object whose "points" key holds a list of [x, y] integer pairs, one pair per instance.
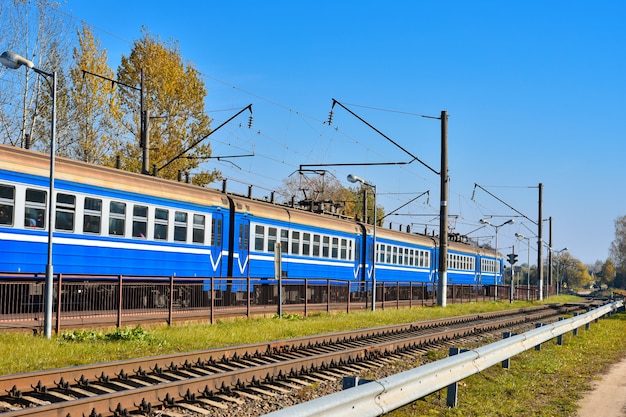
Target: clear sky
{"points": [[535, 92]]}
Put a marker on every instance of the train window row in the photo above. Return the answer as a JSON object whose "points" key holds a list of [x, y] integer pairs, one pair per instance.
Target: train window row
{"points": [[99, 216], [488, 265], [396, 255], [462, 262], [296, 242]]}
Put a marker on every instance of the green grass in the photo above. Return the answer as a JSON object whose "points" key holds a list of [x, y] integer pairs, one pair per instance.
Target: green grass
{"points": [[23, 352], [545, 383]]}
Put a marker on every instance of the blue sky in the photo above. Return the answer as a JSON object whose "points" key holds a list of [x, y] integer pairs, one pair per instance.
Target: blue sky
{"points": [[535, 93]]}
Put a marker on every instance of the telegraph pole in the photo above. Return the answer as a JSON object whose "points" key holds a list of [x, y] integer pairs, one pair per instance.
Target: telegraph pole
{"points": [[539, 244], [442, 293]]}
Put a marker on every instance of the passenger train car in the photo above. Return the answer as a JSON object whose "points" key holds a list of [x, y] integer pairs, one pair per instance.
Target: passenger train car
{"points": [[109, 221]]}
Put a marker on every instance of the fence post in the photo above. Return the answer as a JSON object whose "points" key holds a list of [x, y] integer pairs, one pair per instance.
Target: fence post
{"points": [[306, 296], [538, 325], [57, 327], [212, 292], [348, 301], [451, 400], [171, 306], [506, 364], [398, 295], [559, 338], [328, 295], [119, 301], [249, 291]]}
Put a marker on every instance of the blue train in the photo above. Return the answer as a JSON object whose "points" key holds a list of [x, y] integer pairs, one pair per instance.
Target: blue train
{"points": [[113, 222]]}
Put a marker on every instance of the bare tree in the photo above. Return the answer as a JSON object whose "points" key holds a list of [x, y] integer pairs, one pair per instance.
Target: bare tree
{"points": [[35, 31]]}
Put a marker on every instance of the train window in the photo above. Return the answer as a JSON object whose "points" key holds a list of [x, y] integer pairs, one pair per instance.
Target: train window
{"points": [[344, 249], [350, 250], [325, 246], [357, 251], [65, 211], [198, 228], [388, 254], [306, 244], [295, 243], [259, 237], [335, 248], [271, 239], [316, 245], [7, 202], [140, 221], [117, 218], [284, 240], [216, 227], [35, 208], [160, 224], [180, 226], [244, 233], [93, 215]]}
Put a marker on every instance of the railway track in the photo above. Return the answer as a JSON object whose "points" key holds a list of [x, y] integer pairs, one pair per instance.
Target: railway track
{"points": [[201, 382]]}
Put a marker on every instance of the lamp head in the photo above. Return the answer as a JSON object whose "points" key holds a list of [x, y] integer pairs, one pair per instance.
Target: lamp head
{"points": [[483, 221], [353, 178], [519, 235], [14, 61]]}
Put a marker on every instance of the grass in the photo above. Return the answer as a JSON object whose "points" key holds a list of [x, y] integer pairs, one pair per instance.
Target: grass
{"points": [[545, 383], [23, 352], [539, 383]]}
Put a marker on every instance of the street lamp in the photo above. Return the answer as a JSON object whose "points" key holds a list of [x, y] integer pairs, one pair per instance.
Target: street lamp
{"points": [[558, 267], [355, 179], [495, 276], [12, 60]]}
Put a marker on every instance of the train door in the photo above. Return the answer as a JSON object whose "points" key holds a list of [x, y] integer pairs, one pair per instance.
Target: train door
{"points": [[217, 243], [241, 255]]}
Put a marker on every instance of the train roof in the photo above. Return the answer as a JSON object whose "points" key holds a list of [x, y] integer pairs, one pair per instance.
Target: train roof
{"points": [[28, 162]]}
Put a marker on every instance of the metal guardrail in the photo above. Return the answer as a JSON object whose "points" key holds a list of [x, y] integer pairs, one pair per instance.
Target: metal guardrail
{"points": [[387, 394]]}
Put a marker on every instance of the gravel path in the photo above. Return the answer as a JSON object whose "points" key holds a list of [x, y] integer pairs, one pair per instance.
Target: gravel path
{"points": [[608, 397]]}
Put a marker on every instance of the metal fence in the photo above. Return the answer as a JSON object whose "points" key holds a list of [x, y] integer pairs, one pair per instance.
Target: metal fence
{"points": [[124, 300]]}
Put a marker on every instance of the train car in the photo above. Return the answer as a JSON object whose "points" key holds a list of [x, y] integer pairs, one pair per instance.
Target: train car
{"points": [[405, 257], [112, 222], [107, 221], [311, 245]]}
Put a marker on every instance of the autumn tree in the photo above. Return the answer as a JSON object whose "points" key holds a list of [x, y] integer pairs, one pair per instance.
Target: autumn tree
{"points": [[607, 274], [571, 272], [95, 102], [174, 98]]}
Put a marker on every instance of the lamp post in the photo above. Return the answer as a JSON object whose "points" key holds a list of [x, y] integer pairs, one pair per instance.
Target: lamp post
{"points": [[12, 60], [354, 179], [495, 276], [558, 267]]}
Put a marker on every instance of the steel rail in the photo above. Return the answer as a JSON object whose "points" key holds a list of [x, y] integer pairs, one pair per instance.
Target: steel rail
{"points": [[385, 395], [49, 378], [187, 388]]}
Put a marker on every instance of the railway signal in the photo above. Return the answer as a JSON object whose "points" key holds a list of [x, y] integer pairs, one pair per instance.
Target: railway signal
{"points": [[512, 258]]}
